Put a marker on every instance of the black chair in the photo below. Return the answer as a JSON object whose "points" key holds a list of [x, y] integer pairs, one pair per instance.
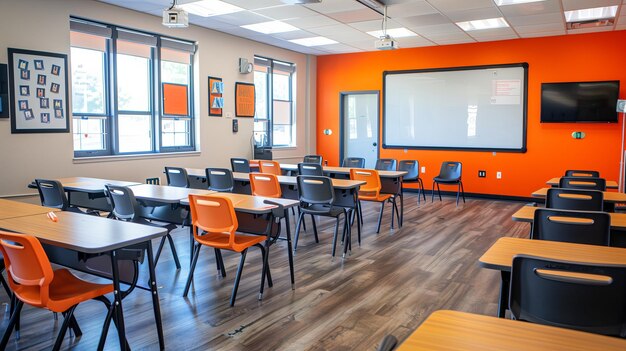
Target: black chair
{"points": [[575, 199], [317, 196], [52, 194], [313, 159], [126, 208], [177, 176], [412, 167], [240, 165], [582, 173], [388, 343], [310, 169], [220, 179], [450, 173], [353, 162], [3, 281], [581, 227], [587, 183], [385, 164], [587, 297]]}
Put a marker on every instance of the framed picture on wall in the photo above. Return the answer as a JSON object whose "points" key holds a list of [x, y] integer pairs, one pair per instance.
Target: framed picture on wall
{"points": [[216, 96], [36, 78], [244, 99], [4, 91]]}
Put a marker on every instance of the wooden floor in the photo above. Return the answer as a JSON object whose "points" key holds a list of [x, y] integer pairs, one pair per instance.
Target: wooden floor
{"points": [[388, 285]]}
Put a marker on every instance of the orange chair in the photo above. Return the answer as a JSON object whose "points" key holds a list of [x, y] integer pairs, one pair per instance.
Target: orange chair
{"points": [[371, 192], [272, 167], [265, 184], [214, 224], [34, 282]]}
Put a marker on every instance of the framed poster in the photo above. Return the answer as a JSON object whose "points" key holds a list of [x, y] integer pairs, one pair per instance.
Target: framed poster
{"points": [[216, 98], [244, 99], [4, 91], [39, 92]]}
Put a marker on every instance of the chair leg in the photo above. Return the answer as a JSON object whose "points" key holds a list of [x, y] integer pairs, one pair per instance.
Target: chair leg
{"points": [[196, 253], [295, 243], [303, 221], [432, 194], [69, 314], [14, 317], [458, 192], [398, 215], [238, 277], [358, 228], [4, 284], [107, 321], [462, 191], [173, 248], [290, 256], [220, 262], [439, 192], [360, 211], [159, 249], [335, 236], [380, 216], [392, 213], [75, 328], [421, 188], [265, 271], [346, 233]]}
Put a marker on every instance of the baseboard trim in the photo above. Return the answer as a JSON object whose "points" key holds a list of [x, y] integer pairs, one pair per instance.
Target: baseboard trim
{"points": [[481, 196]]}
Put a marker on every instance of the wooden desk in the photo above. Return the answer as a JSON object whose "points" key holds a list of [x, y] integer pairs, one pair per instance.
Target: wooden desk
{"points": [[251, 204], [554, 182], [12, 209], [165, 193], [500, 257], [329, 169], [527, 214], [609, 196], [90, 185], [94, 235], [460, 331]]}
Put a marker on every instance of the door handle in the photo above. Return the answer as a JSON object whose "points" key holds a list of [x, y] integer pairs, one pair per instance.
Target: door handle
{"points": [[374, 144]]}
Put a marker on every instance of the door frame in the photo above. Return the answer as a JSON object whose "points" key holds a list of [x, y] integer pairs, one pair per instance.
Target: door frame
{"points": [[342, 120]]}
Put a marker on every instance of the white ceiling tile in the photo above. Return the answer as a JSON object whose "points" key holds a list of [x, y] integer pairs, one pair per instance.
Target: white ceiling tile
{"points": [[437, 29], [538, 28], [423, 20], [542, 34], [340, 33], [455, 41], [312, 22], [531, 8], [496, 37], [589, 30], [621, 20], [491, 32], [285, 12], [331, 6], [410, 8], [411, 42], [296, 34], [369, 26], [474, 14], [337, 48], [546, 18], [367, 45], [241, 18], [248, 4], [587, 4], [447, 36], [360, 15], [460, 5], [620, 27]]}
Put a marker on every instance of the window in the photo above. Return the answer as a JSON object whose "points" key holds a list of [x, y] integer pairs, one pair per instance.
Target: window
{"points": [[118, 80], [274, 122]]}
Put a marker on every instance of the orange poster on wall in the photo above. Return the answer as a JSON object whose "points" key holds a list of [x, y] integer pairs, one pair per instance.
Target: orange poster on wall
{"points": [[244, 99]]}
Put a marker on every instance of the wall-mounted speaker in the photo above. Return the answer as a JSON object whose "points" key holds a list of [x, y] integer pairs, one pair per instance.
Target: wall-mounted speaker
{"points": [[245, 66], [621, 106]]}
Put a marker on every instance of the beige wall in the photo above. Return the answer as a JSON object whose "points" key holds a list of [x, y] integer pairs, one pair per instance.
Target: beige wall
{"points": [[43, 25]]}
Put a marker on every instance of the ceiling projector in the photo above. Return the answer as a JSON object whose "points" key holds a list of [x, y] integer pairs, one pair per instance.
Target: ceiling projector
{"points": [[386, 43], [175, 17]]}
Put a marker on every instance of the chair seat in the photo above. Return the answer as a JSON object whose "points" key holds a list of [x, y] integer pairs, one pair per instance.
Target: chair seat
{"points": [[444, 180], [322, 210], [220, 241], [66, 290], [365, 196], [410, 180]]}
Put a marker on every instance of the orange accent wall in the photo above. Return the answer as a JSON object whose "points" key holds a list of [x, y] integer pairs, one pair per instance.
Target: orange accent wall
{"points": [[551, 149]]}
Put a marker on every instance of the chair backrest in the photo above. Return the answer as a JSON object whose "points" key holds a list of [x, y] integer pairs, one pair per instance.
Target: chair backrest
{"points": [[28, 268], [214, 214], [265, 184], [220, 179], [154, 181], [582, 227], [385, 164], [177, 176], [123, 202], [588, 183], [370, 177], [310, 169], [315, 190], [313, 159], [450, 170], [51, 194], [353, 162], [582, 173], [412, 167], [269, 166], [581, 296], [240, 165], [575, 199]]}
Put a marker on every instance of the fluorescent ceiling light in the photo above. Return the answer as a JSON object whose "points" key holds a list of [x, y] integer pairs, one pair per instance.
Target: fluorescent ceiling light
{"points": [[207, 8], [270, 27], [394, 33], [514, 2], [314, 41], [591, 14], [489, 23]]}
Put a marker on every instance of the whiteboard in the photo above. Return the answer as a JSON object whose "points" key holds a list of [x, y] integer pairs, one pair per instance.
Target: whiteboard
{"points": [[467, 108]]}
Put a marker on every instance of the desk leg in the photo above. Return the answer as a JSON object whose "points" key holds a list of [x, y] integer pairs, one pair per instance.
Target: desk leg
{"points": [[155, 297], [401, 209], [118, 315], [504, 293], [289, 251]]}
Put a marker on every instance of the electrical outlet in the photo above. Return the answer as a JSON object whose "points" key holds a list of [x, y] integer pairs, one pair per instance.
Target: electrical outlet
{"points": [[423, 169], [499, 175], [482, 174]]}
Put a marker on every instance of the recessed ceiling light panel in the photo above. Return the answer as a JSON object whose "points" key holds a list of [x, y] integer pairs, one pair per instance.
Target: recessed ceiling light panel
{"points": [[489, 23], [591, 14], [207, 8], [514, 2], [270, 27], [314, 41]]}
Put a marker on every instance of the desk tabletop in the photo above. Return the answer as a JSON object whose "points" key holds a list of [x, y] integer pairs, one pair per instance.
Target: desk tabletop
{"points": [[338, 170], [252, 204], [461, 331], [527, 214], [81, 232], [165, 193], [609, 196], [610, 184], [500, 255], [90, 185], [289, 180], [12, 209]]}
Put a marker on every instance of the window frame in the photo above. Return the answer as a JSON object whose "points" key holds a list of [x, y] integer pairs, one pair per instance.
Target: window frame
{"points": [[112, 115]]}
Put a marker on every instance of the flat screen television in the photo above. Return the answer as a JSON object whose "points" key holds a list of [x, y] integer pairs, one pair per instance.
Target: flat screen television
{"points": [[579, 102]]}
